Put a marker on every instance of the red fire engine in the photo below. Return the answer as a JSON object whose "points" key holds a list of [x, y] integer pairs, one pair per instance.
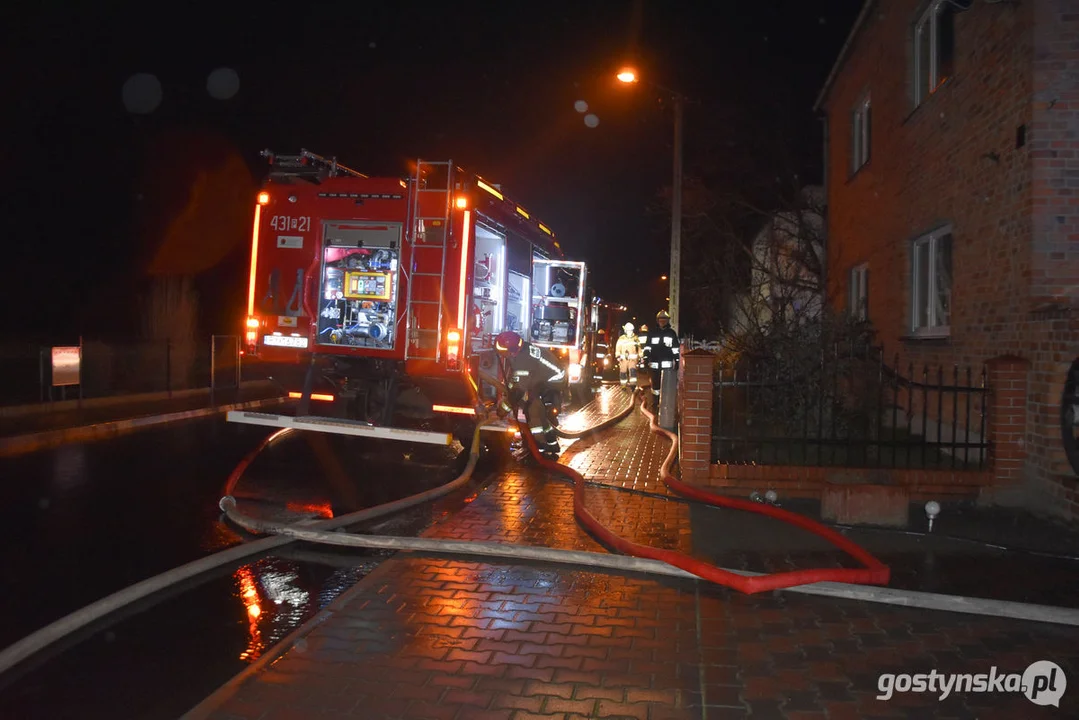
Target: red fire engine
{"points": [[376, 298]]}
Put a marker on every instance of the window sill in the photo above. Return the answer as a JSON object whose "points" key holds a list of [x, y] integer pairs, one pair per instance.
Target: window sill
{"points": [[925, 101], [928, 338], [861, 168]]}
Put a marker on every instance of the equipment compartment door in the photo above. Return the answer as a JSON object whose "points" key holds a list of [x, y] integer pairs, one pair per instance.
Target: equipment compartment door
{"points": [[489, 287], [558, 307], [358, 297]]}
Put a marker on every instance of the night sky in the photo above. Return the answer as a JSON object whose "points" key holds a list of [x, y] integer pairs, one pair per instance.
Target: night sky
{"points": [[95, 199]]}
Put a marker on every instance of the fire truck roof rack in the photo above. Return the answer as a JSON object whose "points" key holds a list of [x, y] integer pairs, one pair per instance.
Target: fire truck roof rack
{"points": [[307, 165]]}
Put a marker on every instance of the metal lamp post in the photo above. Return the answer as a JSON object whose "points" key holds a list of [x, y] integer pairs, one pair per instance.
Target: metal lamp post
{"points": [[629, 76]]}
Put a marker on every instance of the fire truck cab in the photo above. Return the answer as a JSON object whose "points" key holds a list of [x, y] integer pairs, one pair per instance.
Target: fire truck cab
{"points": [[376, 299]]}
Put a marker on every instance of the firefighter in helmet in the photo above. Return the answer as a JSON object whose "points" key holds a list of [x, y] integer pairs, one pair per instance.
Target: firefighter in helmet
{"points": [[627, 351], [529, 373], [661, 352]]}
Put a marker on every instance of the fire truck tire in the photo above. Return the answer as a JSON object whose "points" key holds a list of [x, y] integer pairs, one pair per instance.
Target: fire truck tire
{"points": [[380, 404]]}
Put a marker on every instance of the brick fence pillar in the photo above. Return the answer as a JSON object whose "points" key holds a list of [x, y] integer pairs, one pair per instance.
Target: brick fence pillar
{"points": [[1007, 411], [695, 411]]}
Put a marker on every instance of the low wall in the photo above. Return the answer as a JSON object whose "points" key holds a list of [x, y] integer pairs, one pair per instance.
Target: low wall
{"points": [[1007, 379], [42, 408]]}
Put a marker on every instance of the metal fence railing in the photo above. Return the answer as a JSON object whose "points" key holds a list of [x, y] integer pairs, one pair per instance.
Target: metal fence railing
{"points": [[225, 362], [851, 410], [31, 373]]}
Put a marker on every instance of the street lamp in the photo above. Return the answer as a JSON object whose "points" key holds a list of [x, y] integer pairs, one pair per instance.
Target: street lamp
{"points": [[628, 76]]}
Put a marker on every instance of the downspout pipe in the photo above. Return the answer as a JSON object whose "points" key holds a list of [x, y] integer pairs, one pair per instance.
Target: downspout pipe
{"points": [[825, 212]]}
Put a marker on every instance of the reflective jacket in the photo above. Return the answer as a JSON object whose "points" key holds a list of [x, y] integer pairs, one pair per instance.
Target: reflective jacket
{"points": [[661, 348], [626, 348], [534, 366]]}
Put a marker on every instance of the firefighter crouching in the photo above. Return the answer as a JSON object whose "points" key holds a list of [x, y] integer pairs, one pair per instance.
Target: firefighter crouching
{"points": [[529, 372], [661, 352], [626, 350]]}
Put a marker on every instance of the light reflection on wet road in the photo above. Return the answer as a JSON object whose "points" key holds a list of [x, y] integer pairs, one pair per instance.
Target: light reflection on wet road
{"points": [[82, 521]]}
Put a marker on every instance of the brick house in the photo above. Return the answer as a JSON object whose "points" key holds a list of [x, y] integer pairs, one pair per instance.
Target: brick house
{"points": [[952, 173]]}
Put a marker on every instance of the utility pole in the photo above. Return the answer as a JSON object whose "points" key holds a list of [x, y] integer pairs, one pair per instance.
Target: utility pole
{"points": [[674, 287], [628, 75]]}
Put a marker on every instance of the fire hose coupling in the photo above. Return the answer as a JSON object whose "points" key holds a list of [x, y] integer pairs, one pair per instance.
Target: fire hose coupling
{"points": [[771, 497]]}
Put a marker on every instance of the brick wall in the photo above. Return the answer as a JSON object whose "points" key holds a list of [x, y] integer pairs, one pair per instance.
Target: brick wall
{"points": [[1054, 150], [695, 411], [956, 159]]}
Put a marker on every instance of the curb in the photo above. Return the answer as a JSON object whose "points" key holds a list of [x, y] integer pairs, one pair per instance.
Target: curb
{"points": [[22, 444], [44, 408]]}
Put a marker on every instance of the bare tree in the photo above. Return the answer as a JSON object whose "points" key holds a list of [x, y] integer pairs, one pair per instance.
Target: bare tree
{"points": [[751, 267]]}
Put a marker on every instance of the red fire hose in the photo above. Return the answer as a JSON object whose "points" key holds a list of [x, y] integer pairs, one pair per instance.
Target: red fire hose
{"points": [[874, 573]]}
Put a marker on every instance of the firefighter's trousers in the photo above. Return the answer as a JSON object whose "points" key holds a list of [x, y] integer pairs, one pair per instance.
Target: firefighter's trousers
{"points": [[627, 371], [539, 423], [656, 374]]}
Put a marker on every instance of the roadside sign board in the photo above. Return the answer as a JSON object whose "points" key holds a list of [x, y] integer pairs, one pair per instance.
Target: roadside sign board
{"points": [[66, 364]]}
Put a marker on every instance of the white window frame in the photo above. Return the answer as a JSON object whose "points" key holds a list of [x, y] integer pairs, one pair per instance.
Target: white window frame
{"points": [[861, 133], [858, 292], [928, 24], [925, 322]]}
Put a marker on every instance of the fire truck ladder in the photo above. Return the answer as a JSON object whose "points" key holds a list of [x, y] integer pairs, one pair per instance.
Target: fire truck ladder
{"points": [[430, 232]]}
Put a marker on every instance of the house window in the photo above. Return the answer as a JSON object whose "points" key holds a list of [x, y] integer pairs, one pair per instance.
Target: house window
{"points": [[931, 283], [934, 48], [859, 135], [858, 292]]}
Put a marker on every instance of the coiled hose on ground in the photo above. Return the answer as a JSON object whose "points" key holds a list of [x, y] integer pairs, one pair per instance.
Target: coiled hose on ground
{"points": [[455, 547], [876, 573]]}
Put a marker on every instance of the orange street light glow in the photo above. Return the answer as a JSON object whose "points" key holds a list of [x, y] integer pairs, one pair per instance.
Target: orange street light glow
{"points": [[627, 75]]}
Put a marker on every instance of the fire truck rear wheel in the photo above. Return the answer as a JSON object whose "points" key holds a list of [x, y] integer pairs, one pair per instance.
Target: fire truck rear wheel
{"points": [[379, 404]]}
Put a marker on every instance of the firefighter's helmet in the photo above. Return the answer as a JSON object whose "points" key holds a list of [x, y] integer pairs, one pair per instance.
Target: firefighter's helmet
{"points": [[628, 327], [644, 328], [509, 343], [663, 315]]}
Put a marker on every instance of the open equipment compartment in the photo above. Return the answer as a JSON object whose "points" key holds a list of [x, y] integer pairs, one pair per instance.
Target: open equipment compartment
{"points": [[358, 298], [558, 303]]}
